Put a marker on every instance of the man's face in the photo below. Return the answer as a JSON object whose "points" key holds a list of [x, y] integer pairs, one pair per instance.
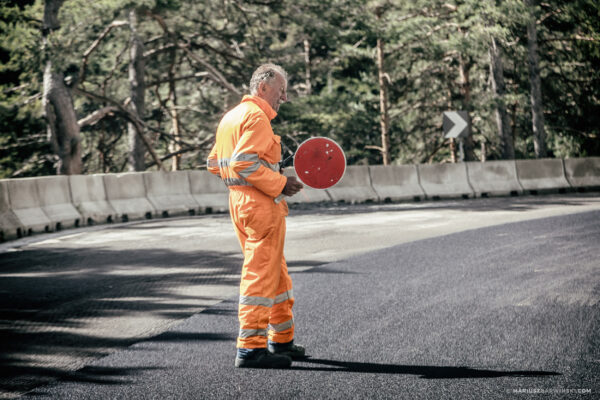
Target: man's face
{"points": [[274, 91]]}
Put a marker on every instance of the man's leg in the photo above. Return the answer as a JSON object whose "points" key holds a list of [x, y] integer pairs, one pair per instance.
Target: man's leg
{"points": [[260, 276], [281, 322]]}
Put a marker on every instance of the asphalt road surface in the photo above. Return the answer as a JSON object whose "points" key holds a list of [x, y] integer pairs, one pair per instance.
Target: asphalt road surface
{"points": [[490, 298]]}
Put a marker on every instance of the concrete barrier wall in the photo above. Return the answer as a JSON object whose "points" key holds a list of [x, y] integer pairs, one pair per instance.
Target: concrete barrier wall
{"points": [[445, 180], [89, 198], [583, 172], [56, 202], [44, 204], [541, 174], [396, 182], [10, 226], [170, 193], [494, 178], [126, 194], [354, 187], [25, 202], [209, 191]]}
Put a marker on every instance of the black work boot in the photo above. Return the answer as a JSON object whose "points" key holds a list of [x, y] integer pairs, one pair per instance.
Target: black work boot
{"points": [[289, 349], [261, 358]]}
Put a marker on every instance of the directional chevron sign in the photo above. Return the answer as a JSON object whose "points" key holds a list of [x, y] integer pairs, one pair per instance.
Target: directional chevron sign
{"points": [[455, 124]]}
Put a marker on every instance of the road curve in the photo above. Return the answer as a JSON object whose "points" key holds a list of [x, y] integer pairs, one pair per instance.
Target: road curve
{"points": [[391, 303]]}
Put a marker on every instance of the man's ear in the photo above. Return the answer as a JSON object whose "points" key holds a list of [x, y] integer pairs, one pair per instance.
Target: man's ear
{"points": [[262, 87]]}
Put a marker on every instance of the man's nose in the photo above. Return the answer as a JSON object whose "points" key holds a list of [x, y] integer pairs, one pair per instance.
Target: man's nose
{"points": [[283, 97]]}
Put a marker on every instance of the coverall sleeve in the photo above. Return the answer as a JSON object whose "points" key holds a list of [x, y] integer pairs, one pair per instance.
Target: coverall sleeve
{"points": [[212, 163], [250, 156]]}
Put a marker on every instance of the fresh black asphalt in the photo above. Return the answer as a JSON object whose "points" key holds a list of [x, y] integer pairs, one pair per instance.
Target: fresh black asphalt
{"points": [[509, 311]]}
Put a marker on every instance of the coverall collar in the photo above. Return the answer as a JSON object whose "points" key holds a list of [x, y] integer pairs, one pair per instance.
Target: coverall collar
{"points": [[267, 109]]}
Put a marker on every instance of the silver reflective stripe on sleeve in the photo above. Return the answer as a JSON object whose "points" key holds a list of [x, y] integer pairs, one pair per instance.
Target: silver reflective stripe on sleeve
{"points": [[236, 157], [280, 298], [223, 163], [279, 198], [246, 333], [244, 157], [236, 182], [212, 162], [283, 326], [250, 170], [274, 167], [256, 163], [256, 301]]}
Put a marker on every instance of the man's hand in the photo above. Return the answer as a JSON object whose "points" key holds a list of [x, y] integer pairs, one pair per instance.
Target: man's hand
{"points": [[292, 186]]}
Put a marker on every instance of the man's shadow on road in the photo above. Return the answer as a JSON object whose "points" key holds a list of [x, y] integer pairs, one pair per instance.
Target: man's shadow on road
{"points": [[424, 372]]}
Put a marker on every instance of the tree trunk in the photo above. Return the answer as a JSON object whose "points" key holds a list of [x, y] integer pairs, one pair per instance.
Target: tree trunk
{"points": [[537, 109], [61, 120], [498, 90], [383, 98], [307, 67], [137, 87], [176, 131], [465, 89]]}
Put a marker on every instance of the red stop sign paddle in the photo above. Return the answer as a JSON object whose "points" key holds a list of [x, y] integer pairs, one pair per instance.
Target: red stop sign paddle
{"points": [[319, 162]]}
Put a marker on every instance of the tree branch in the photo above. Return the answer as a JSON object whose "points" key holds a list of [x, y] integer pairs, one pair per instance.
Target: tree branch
{"points": [[214, 73], [140, 125], [96, 116], [200, 146], [95, 44]]}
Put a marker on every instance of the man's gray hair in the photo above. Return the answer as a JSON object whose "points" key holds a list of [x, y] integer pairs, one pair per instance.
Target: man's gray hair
{"points": [[265, 72]]}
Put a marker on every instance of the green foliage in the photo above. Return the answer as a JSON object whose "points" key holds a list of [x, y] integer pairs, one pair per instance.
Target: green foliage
{"points": [[436, 59]]}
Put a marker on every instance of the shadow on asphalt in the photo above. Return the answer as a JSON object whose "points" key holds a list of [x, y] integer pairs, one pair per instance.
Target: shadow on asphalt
{"points": [[94, 375], [424, 372], [49, 297]]}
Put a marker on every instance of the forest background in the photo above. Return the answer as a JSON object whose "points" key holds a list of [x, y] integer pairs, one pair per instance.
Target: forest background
{"points": [[111, 86]]}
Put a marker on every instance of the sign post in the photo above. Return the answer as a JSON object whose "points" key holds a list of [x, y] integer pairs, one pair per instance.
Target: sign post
{"points": [[456, 126]]}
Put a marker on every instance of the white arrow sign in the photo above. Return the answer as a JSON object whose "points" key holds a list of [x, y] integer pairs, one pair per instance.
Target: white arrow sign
{"points": [[455, 124]]}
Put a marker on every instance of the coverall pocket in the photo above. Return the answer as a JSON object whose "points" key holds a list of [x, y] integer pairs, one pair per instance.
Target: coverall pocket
{"points": [[257, 219]]}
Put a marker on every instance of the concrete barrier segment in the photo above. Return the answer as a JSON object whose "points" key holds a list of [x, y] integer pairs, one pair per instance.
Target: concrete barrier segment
{"points": [[170, 193], [583, 172], [89, 198], [546, 174], [494, 178], [10, 226], [126, 194], [25, 203], [354, 187], [56, 202], [209, 191], [396, 182], [445, 180]]}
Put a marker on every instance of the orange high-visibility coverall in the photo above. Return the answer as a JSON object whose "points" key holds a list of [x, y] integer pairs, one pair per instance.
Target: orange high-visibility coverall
{"points": [[246, 156]]}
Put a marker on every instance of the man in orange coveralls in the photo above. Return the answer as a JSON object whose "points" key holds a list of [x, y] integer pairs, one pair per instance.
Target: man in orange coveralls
{"points": [[246, 156]]}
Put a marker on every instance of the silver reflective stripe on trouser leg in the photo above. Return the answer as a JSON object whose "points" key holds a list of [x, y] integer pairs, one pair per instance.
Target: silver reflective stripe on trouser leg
{"points": [[256, 301], [246, 333], [282, 326], [280, 298]]}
